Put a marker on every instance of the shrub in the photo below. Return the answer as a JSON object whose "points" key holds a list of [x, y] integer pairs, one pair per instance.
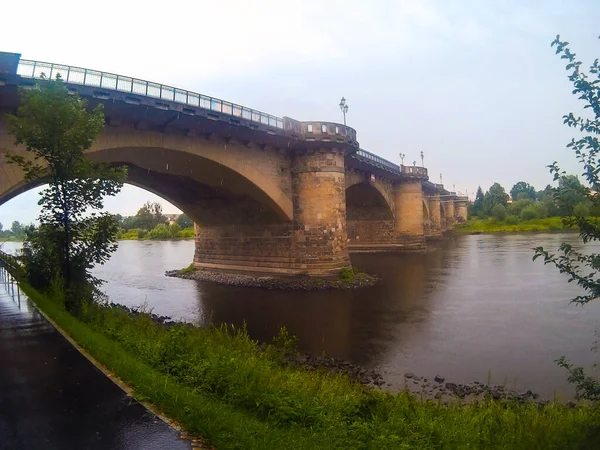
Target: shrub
{"points": [[499, 212], [160, 231], [511, 219], [529, 213], [541, 209], [174, 230], [141, 234]]}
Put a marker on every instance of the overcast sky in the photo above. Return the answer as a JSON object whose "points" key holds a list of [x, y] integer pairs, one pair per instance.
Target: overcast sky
{"points": [[473, 84]]}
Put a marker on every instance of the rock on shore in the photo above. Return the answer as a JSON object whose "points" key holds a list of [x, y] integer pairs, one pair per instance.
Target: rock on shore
{"points": [[272, 283]]}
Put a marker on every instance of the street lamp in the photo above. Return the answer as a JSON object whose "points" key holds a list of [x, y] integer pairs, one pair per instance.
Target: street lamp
{"points": [[402, 156], [344, 108], [441, 179], [422, 157], [453, 187], [415, 163]]}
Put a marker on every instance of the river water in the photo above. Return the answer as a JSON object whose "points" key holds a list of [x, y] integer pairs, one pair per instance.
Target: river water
{"points": [[476, 308]]}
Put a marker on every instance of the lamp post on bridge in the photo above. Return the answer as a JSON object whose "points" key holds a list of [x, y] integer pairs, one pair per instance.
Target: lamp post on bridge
{"points": [[422, 159], [402, 156], [344, 108], [441, 182]]}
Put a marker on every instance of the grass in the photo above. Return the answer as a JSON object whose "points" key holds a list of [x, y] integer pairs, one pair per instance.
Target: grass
{"points": [[218, 383], [135, 235], [492, 225]]}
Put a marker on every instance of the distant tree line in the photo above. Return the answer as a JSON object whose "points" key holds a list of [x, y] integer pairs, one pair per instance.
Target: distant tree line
{"points": [[525, 203], [150, 223], [15, 232]]}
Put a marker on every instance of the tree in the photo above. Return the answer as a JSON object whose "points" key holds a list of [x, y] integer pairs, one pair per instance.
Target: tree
{"points": [[581, 267], [523, 189], [496, 195], [17, 229], [184, 221], [56, 129], [149, 216], [498, 212], [478, 203], [1, 227]]}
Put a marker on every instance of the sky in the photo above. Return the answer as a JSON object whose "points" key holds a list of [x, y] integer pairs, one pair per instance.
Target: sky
{"points": [[473, 84]]}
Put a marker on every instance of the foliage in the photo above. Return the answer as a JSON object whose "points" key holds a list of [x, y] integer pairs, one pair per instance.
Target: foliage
{"points": [[576, 200], [184, 221], [477, 208], [219, 383], [16, 232], [148, 217], [522, 190], [189, 269], [512, 224], [496, 195], [56, 130], [529, 213], [498, 211]]}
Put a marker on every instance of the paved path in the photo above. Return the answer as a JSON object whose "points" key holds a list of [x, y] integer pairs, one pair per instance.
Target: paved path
{"points": [[52, 397]]}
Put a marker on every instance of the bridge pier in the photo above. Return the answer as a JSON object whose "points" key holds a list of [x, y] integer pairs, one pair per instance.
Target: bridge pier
{"points": [[450, 218], [320, 243], [461, 211], [314, 243], [435, 215], [408, 205]]}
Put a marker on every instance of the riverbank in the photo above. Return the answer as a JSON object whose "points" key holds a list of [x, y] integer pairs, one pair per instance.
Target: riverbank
{"points": [[162, 234], [349, 279], [219, 383], [492, 225]]}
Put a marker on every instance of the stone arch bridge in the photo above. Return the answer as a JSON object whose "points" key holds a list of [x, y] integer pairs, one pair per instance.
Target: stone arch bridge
{"points": [[269, 195]]}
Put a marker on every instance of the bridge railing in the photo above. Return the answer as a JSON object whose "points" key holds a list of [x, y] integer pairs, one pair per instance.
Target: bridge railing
{"points": [[111, 81], [378, 160], [11, 264]]}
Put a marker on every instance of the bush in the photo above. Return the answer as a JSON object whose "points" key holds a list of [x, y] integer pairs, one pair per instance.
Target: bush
{"points": [[499, 212], [511, 219], [174, 230], [581, 209], [529, 213], [141, 234], [541, 209], [160, 231], [517, 206]]}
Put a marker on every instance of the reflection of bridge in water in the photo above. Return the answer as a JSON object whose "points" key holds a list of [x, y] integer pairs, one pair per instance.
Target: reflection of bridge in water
{"points": [[269, 194]]}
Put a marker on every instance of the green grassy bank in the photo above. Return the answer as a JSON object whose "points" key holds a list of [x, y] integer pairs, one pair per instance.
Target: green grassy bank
{"points": [[218, 383], [155, 234], [492, 225]]}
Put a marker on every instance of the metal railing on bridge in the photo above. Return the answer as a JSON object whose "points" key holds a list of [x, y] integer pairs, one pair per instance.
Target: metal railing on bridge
{"points": [[111, 81], [374, 159]]}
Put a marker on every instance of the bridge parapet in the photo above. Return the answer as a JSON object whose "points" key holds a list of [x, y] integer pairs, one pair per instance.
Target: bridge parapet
{"points": [[415, 171]]}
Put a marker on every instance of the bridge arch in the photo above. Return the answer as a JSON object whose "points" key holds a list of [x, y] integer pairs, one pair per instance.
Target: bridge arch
{"points": [[212, 181]]}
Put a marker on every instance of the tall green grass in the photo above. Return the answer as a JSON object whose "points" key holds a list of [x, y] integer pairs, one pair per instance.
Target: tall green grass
{"points": [[219, 383], [492, 225]]}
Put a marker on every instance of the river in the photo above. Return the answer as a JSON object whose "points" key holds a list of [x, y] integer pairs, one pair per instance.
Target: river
{"points": [[476, 307]]}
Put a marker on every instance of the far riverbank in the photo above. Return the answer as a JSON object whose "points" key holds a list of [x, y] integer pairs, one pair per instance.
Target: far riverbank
{"points": [[492, 225]]}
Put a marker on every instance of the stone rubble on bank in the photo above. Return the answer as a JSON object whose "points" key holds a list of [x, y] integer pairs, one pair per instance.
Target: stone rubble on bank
{"points": [[437, 389], [272, 283]]}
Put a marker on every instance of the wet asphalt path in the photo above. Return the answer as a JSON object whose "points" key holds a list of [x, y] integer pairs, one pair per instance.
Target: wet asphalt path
{"points": [[52, 397]]}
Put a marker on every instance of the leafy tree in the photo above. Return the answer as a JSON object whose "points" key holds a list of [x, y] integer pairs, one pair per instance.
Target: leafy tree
{"points": [[174, 230], [496, 195], [477, 208], [184, 221], [522, 190], [149, 216], [517, 206], [529, 213], [499, 212], [160, 231], [17, 229], [1, 227], [581, 267], [56, 129]]}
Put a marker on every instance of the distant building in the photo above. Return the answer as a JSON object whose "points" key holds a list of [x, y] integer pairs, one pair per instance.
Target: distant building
{"points": [[171, 218]]}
